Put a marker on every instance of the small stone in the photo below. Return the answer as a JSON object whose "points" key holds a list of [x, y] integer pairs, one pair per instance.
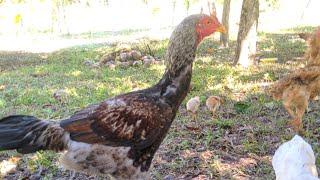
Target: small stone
{"points": [[135, 55], [137, 63], [125, 64], [168, 177], [158, 62], [147, 62], [111, 62], [124, 56], [152, 58], [95, 65], [145, 57], [112, 66], [201, 149], [60, 95], [88, 62], [91, 63], [107, 58], [35, 177]]}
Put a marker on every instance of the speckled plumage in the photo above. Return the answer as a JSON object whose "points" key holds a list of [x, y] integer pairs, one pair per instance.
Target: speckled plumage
{"points": [[182, 41], [120, 136]]}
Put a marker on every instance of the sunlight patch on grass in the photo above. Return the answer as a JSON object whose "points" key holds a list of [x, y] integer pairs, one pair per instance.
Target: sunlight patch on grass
{"points": [[72, 92], [2, 103], [76, 73]]}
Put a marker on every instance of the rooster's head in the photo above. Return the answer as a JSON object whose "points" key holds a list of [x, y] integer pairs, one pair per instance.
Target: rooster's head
{"points": [[208, 25], [186, 37]]}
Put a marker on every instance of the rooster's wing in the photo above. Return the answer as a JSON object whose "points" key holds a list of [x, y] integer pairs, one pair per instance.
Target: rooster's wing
{"points": [[129, 120]]}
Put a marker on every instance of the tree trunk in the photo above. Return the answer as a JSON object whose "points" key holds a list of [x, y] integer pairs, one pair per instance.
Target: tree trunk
{"points": [[224, 38], [174, 3], [247, 35], [59, 17]]}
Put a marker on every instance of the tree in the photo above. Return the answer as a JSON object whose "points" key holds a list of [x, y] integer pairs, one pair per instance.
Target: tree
{"points": [[59, 15], [188, 3], [174, 3], [224, 38], [247, 34]]}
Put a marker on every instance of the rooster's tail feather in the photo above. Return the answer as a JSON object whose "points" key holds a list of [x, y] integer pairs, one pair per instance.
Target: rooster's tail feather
{"points": [[28, 134]]}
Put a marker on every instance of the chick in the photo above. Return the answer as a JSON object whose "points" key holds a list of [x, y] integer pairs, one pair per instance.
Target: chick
{"points": [[192, 106], [8, 166], [213, 103]]}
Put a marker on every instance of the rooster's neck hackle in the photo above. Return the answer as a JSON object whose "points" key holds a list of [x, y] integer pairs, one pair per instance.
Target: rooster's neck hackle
{"points": [[180, 55], [182, 46]]}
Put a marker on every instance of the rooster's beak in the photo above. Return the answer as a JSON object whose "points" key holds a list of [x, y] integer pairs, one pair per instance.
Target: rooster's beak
{"points": [[221, 29]]}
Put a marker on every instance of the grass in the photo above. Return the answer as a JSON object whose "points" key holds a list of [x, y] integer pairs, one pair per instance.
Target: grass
{"points": [[238, 144]]}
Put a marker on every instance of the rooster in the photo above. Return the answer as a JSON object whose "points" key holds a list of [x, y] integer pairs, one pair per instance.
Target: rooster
{"points": [[118, 136], [297, 88]]}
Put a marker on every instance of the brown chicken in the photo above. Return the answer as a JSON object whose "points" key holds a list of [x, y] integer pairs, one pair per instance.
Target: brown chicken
{"points": [[118, 136], [313, 41], [313, 54], [297, 88], [213, 103]]}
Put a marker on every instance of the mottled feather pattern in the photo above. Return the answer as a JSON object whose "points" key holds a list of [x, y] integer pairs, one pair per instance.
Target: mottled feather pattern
{"points": [[135, 120], [127, 120], [139, 121], [183, 40], [101, 160]]}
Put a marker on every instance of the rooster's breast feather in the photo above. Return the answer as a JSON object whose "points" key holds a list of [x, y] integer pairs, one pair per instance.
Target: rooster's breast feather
{"points": [[128, 120]]}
